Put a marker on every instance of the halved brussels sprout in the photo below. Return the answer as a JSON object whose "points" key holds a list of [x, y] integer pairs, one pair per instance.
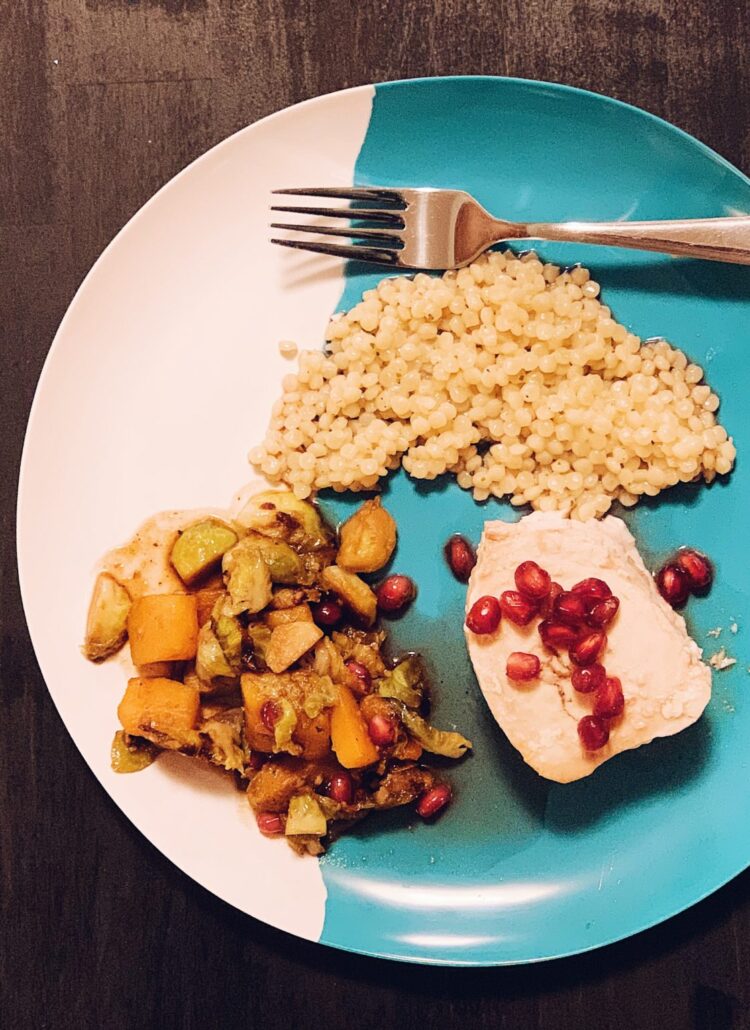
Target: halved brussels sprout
{"points": [[367, 539], [305, 816], [200, 547], [107, 622], [281, 515], [353, 590], [247, 578]]}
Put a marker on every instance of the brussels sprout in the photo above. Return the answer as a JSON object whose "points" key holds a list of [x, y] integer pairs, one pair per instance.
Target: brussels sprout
{"points": [[367, 539], [200, 547], [305, 816], [247, 578], [107, 622]]}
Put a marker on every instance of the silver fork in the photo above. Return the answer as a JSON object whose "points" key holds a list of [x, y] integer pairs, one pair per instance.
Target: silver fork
{"points": [[436, 228]]}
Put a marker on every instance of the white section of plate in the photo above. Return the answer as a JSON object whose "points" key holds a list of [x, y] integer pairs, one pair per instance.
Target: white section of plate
{"points": [[160, 379]]}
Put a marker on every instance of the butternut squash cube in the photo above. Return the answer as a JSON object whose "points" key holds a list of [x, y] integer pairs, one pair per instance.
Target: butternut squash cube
{"points": [[164, 711], [163, 628], [349, 737]]}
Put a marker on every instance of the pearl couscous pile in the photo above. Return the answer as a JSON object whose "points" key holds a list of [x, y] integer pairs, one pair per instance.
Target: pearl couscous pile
{"points": [[510, 374]]}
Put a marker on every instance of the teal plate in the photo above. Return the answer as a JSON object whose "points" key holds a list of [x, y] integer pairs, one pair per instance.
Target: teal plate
{"points": [[520, 869], [517, 869]]}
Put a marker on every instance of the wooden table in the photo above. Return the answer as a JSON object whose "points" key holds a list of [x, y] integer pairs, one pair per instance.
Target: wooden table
{"points": [[102, 101]]}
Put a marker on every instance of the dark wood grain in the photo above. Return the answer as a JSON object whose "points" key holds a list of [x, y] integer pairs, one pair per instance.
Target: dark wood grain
{"points": [[101, 101]]}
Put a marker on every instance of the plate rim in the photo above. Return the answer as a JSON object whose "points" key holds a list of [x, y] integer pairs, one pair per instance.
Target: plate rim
{"points": [[319, 99]]}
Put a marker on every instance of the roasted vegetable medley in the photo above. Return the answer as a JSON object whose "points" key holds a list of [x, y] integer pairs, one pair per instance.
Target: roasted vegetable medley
{"points": [[267, 661]]}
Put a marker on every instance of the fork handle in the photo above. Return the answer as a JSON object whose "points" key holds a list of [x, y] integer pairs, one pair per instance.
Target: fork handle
{"points": [[714, 239]]}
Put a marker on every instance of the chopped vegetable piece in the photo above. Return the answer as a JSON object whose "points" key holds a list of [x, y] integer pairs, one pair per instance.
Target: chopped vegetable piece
{"points": [[323, 695], [259, 637], [107, 622], [163, 628], [406, 682], [247, 578], [223, 734], [163, 669], [288, 643], [305, 816], [200, 547], [164, 711], [367, 539], [130, 754], [281, 515], [439, 742], [284, 727], [211, 662], [229, 634], [349, 737], [284, 564], [300, 613], [206, 602], [353, 591]]}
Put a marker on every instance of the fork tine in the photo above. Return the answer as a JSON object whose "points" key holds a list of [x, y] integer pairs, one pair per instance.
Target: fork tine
{"points": [[366, 214], [347, 193], [384, 235], [376, 255]]}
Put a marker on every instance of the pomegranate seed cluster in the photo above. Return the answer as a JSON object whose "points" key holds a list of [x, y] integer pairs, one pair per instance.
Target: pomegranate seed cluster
{"points": [[687, 572], [571, 620], [511, 375]]}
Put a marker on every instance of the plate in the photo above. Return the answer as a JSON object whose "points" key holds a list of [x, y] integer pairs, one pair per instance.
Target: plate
{"points": [[161, 378]]}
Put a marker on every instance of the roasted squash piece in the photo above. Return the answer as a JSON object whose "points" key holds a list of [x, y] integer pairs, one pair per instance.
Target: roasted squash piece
{"points": [[300, 613], [163, 628], [206, 600], [200, 547], [163, 711], [367, 539], [353, 591], [288, 643], [311, 697], [107, 622], [349, 737]]}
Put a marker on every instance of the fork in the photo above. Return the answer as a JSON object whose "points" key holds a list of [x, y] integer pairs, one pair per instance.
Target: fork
{"points": [[439, 229]]}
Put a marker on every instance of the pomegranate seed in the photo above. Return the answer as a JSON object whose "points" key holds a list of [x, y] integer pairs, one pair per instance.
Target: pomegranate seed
{"points": [[382, 730], [517, 608], [609, 701], [556, 635], [395, 592], [327, 614], [340, 787], [269, 714], [569, 607], [673, 584], [257, 760], [433, 801], [593, 731], [589, 678], [586, 650], [532, 580], [593, 590], [460, 557], [522, 667], [362, 675], [697, 568], [549, 602], [484, 615], [604, 611], [269, 823]]}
